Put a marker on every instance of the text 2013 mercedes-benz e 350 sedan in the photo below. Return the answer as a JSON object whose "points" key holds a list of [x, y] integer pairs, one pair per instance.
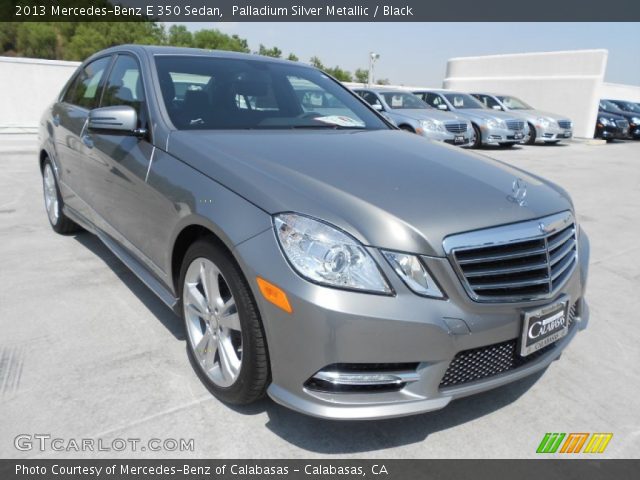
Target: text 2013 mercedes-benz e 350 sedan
{"points": [[314, 251]]}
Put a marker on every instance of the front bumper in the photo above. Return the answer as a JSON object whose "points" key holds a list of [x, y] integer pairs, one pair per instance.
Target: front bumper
{"points": [[330, 326], [551, 134], [496, 136], [612, 132], [459, 139]]}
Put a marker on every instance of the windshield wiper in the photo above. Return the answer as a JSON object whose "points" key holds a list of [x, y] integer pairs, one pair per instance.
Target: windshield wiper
{"points": [[328, 125]]}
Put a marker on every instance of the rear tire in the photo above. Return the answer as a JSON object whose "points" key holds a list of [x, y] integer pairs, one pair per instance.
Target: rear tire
{"points": [[225, 339], [531, 140], [54, 204], [476, 141]]}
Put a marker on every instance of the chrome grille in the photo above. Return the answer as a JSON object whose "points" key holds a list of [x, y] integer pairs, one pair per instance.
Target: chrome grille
{"points": [[565, 124], [456, 127], [622, 124], [523, 267], [515, 124], [484, 362]]}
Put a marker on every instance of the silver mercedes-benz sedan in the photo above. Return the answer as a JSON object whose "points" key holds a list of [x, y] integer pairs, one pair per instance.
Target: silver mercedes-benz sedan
{"points": [[543, 126], [490, 127], [314, 252], [410, 113]]}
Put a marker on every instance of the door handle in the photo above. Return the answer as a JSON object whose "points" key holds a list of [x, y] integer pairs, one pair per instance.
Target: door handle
{"points": [[56, 120]]}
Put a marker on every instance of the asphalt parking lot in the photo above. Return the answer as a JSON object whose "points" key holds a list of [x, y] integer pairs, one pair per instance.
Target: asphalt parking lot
{"points": [[86, 351]]}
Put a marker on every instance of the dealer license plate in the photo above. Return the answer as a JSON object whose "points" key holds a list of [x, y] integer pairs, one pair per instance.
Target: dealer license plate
{"points": [[543, 327], [459, 139]]}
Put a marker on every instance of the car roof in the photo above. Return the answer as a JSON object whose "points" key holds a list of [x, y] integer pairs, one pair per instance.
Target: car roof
{"points": [[383, 90], [153, 50]]}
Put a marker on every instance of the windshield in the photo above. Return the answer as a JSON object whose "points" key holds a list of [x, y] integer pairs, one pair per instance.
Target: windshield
{"points": [[628, 106], [513, 103], [208, 93], [397, 100], [609, 106], [462, 100]]}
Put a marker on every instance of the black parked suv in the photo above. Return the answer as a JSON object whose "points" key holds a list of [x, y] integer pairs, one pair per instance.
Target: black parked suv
{"points": [[631, 111], [632, 118]]}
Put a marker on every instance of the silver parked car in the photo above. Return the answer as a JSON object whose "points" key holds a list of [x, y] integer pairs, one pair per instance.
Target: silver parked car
{"points": [[490, 127], [345, 268], [410, 113], [543, 126]]}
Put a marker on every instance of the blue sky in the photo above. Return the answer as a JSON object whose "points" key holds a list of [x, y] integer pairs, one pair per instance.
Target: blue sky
{"points": [[417, 53]]}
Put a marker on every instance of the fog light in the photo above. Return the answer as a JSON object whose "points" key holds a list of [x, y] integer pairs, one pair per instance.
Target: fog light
{"points": [[361, 378]]}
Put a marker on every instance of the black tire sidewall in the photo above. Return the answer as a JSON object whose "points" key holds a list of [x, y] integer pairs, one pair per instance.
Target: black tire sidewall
{"points": [[532, 135], [478, 141], [243, 390]]}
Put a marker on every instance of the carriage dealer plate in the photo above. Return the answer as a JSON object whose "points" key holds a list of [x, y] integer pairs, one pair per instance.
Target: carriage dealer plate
{"points": [[544, 326]]}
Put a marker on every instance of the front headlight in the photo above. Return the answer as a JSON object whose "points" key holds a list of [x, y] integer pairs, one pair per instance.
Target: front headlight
{"points": [[325, 255], [635, 120], [496, 123], [413, 273], [604, 121], [543, 122], [432, 125]]}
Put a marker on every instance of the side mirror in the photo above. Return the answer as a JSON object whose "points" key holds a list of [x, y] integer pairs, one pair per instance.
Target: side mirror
{"points": [[377, 106], [120, 119], [442, 106], [497, 107]]}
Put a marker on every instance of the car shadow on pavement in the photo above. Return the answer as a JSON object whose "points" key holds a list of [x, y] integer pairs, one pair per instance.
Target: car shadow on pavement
{"points": [[349, 437], [163, 313]]}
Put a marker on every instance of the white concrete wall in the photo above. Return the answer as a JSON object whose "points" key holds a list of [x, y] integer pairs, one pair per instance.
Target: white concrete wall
{"points": [[568, 83], [28, 86], [618, 91]]}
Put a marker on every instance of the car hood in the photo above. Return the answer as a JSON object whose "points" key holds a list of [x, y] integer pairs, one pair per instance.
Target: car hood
{"points": [[426, 114], [385, 187], [484, 114], [611, 116], [534, 114]]}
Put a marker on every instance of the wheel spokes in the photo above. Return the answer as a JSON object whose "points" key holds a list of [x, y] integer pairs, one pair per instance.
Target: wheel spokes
{"points": [[206, 350], [229, 362], [228, 316], [210, 284], [195, 302]]}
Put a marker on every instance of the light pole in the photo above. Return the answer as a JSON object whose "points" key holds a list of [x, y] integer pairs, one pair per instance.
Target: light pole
{"points": [[372, 59]]}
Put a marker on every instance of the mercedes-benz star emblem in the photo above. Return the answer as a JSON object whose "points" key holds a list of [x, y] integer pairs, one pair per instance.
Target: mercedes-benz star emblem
{"points": [[518, 192]]}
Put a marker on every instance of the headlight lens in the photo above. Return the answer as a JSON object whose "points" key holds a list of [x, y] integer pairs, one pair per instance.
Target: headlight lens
{"points": [[432, 125], [635, 120], [543, 122], [323, 254], [496, 123], [413, 273], [604, 121]]}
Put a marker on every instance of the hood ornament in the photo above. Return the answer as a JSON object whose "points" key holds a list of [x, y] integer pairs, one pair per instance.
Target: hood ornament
{"points": [[518, 192]]}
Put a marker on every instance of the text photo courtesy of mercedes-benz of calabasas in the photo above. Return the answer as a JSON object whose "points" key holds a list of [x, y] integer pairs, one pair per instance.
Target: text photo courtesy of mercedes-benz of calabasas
{"points": [[316, 253]]}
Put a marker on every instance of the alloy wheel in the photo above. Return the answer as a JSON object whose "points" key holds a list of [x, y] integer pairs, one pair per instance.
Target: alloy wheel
{"points": [[213, 324], [51, 195]]}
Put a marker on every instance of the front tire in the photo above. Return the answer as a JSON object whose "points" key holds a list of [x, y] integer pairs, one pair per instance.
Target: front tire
{"points": [[53, 202], [225, 339], [476, 140], [531, 140]]}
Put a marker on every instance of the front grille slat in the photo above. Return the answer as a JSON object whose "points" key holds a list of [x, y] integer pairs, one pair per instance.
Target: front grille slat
{"points": [[515, 124], [506, 256], [521, 269], [564, 124], [484, 362], [456, 127]]}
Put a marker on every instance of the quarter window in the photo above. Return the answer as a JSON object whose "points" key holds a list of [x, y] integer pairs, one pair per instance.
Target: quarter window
{"points": [[85, 89]]}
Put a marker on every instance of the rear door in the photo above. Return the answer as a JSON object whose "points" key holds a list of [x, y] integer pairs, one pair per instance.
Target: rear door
{"points": [[70, 122]]}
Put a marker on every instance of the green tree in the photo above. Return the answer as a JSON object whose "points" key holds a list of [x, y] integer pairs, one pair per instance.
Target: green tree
{"points": [[91, 37], [340, 74], [269, 52], [315, 61], [292, 57], [8, 36], [213, 39], [179, 36], [383, 81], [37, 40], [361, 75]]}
